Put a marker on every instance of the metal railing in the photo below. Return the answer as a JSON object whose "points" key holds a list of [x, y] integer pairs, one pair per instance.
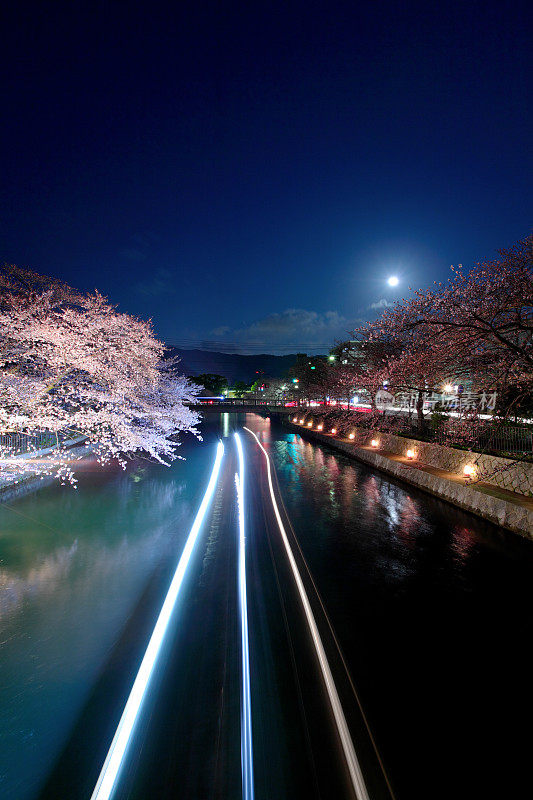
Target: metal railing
{"points": [[13, 443], [484, 436], [496, 437], [241, 401]]}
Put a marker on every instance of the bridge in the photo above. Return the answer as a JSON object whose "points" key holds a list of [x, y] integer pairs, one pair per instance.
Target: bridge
{"points": [[244, 404]]}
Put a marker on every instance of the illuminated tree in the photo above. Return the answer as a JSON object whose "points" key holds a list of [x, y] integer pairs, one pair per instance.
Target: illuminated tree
{"points": [[477, 326], [72, 361]]}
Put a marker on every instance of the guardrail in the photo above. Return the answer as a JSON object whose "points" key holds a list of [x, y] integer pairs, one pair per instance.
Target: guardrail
{"points": [[13, 443], [24, 442], [491, 436], [241, 401]]}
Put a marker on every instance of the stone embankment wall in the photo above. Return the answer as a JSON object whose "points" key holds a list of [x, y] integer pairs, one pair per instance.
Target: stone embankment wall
{"points": [[516, 517], [515, 476]]}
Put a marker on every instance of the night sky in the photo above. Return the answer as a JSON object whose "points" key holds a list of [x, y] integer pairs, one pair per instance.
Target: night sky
{"points": [[253, 172]]}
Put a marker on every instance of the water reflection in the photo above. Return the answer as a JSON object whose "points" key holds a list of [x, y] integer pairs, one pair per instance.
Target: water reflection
{"points": [[420, 594], [463, 543], [16, 589], [73, 565], [413, 587], [333, 499], [371, 496], [410, 522], [224, 418]]}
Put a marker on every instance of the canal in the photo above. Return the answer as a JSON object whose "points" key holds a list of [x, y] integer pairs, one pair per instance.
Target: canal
{"points": [[430, 608]]}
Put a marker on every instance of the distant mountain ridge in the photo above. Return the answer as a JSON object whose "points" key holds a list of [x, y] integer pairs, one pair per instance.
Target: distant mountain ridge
{"points": [[233, 366]]}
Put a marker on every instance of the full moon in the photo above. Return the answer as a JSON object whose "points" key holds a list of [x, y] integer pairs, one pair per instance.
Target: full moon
{"points": [[393, 280]]}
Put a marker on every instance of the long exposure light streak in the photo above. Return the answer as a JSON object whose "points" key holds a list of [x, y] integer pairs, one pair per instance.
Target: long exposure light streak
{"points": [[352, 762], [110, 770], [247, 765]]}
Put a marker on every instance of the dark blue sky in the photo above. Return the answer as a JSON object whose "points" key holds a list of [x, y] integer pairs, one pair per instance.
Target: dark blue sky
{"points": [[253, 172]]}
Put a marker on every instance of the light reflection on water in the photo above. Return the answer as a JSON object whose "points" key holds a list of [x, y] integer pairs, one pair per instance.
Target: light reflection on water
{"points": [[419, 594], [430, 606], [73, 565], [16, 588], [225, 425]]}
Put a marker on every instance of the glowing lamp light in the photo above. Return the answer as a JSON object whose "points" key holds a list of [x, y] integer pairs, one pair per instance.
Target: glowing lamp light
{"points": [[469, 470], [352, 436], [410, 454], [301, 422], [319, 427], [334, 430], [309, 424], [448, 388], [374, 443]]}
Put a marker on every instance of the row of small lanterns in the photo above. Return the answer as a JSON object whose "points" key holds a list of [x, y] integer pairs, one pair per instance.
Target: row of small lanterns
{"points": [[469, 470]]}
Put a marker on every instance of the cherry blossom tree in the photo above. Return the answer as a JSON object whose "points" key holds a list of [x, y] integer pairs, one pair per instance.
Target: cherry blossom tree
{"points": [[478, 326], [72, 362]]}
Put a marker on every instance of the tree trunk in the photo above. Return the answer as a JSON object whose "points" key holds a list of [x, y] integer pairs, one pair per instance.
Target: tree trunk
{"points": [[420, 412]]}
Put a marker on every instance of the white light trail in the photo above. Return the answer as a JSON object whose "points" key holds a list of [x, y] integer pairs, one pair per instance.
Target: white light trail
{"points": [[342, 727], [247, 763], [115, 757]]}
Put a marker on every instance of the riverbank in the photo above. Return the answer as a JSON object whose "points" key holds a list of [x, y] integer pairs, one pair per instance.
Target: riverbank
{"points": [[16, 480], [503, 507]]}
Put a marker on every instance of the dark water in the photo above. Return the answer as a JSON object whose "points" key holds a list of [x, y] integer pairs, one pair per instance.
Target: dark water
{"points": [[431, 608], [73, 567]]}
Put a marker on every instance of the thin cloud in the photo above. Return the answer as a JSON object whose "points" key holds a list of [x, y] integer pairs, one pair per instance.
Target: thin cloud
{"points": [[383, 303], [290, 330]]}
